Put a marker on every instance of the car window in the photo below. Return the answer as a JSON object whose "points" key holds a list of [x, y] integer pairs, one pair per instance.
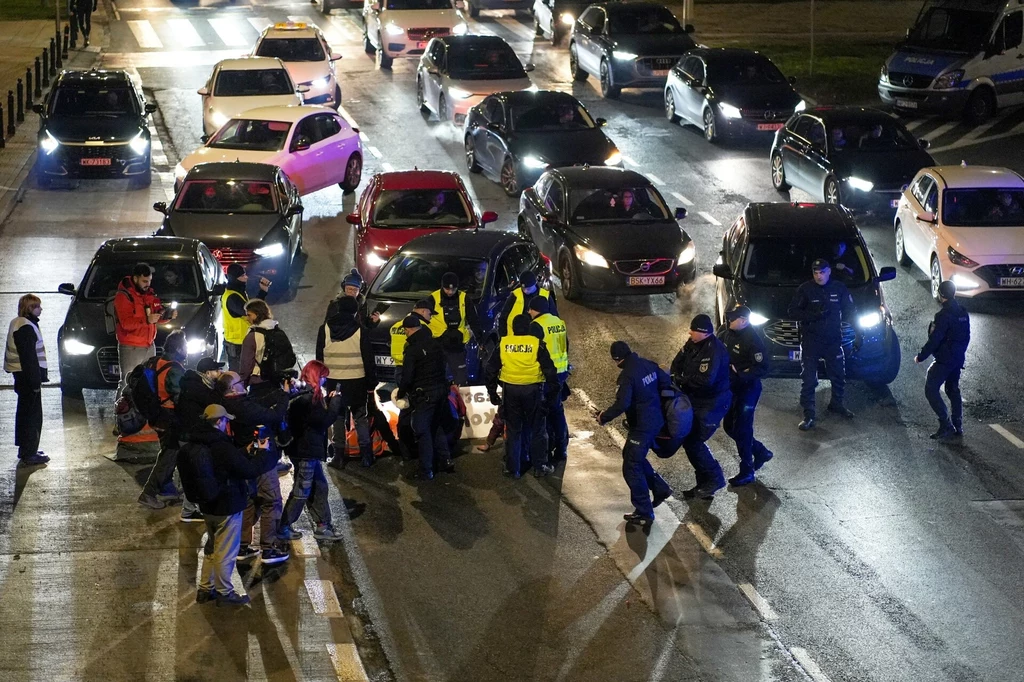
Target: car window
{"points": [[494, 111], [921, 188], [251, 134], [931, 201], [173, 280], [490, 60], [292, 49], [512, 264], [210, 267], [642, 20], [328, 125], [983, 207], [635, 204], [307, 128], [415, 275], [421, 208], [593, 18], [786, 262], [551, 114], [803, 127], [694, 68], [882, 135], [542, 186], [437, 52], [93, 102], [736, 240], [417, 4], [1008, 35], [815, 132], [226, 196], [252, 83], [743, 69], [555, 200]]}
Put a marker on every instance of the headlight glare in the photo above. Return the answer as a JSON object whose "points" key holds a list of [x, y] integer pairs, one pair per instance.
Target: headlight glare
{"points": [[139, 144], [965, 282], [49, 143], [270, 251], [568, 19], [393, 30], [374, 260], [218, 119], [802, 106], [729, 111], [459, 93], [756, 319], [589, 257], [860, 184], [195, 346], [76, 347], [320, 82], [460, 29], [688, 254], [614, 160], [534, 162], [624, 56], [884, 75], [869, 320]]}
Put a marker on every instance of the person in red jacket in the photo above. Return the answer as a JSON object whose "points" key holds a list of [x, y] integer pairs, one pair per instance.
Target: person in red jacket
{"points": [[137, 310]]}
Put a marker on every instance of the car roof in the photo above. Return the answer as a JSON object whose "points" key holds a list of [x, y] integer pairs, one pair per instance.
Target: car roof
{"points": [[94, 76], [601, 177], [473, 39], [969, 177], [774, 219], [148, 247], [250, 63], [285, 112], [290, 29], [713, 53], [614, 5], [526, 96], [472, 243], [419, 179], [981, 5], [832, 115], [232, 170]]}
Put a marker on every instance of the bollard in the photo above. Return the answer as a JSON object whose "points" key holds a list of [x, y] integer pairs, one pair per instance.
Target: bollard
{"points": [[39, 79], [67, 41], [59, 60], [28, 89], [74, 30], [53, 60], [21, 101], [10, 113], [2, 142]]}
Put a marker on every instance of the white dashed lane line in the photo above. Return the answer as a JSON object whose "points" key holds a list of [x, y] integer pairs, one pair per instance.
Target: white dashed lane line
{"points": [[1008, 436], [808, 664], [388, 168], [680, 197], [630, 161], [707, 543], [347, 663], [375, 152], [322, 596], [759, 603], [655, 179], [708, 217]]}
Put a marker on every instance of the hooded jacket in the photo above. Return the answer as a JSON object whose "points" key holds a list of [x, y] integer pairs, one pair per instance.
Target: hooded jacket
{"points": [[343, 327], [638, 395], [252, 353], [425, 369], [701, 370], [196, 394], [309, 422], [232, 465], [249, 414], [131, 325]]}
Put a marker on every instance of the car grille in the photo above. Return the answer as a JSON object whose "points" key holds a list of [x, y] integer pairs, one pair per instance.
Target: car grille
{"points": [[787, 333], [909, 80], [766, 115], [647, 65], [420, 34], [109, 365], [226, 256], [654, 266], [992, 273]]}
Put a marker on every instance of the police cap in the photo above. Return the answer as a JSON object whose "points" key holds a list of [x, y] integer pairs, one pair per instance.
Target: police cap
{"points": [[738, 312], [820, 264], [947, 289]]}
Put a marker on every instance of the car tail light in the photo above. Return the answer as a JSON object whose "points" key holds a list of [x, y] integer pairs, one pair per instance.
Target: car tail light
{"points": [[957, 258]]}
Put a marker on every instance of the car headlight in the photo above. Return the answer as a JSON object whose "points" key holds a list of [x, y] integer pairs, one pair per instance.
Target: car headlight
{"points": [[756, 319], [688, 254], [270, 251], [883, 77], [802, 106], [393, 30], [459, 93], [534, 162], [218, 119], [869, 320], [614, 160], [375, 261], [949, 80], [139, 144], [957, 258], [49, 143], [76, 347], [965, 282], [320, 82], [590, 257], [624, 56], [860, 184], [195, 346], [567, 19], [729, 111], [460, 29]]}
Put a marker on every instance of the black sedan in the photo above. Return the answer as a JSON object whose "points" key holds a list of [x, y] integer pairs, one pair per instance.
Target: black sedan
{"points": [[860, 158], [186, 275], [607, 230], [488, 263], [627, 45], [767, 254], [513, 137], [247, 213], [93, 124], [729, 92]]}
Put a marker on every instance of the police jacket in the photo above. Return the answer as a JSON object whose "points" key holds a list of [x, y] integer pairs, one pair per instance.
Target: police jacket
{"points": [[425, 370], [342, 328], [948, 335], [455, 318], [638, 395], [249, 414], [195, 396], [821, 310], [309, 421], [517, 302], [399, 340], [748, 361], [521, 359], [701, 370], [232, 465]]}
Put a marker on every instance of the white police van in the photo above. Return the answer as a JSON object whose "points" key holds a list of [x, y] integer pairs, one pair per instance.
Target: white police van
{"points": [[962, 57]]}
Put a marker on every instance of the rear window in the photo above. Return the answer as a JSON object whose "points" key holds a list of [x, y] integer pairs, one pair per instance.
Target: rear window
{"points": [[292, 49], [173, 280], [983, 208], [226, 196], [251, 83]]}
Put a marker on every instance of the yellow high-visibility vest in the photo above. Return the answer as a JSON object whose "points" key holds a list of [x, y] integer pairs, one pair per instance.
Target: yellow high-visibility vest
{"points": [[555, 340], [519, 363], [235, 328], [519, 304], [439, 326]]}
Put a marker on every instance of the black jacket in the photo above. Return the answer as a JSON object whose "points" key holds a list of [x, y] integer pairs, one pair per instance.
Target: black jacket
{"points": [[747, 358], [424, 369], [232, 465], [249, 414], [31, 376], [309, 421], [449, 312], [948, 335], [821, 311], [640, 385], [343, 327], [363, 315], [195, 396], [236, 305], [701, 370]]}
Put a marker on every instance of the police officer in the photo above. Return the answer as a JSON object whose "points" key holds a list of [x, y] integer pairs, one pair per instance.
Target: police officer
{"points": [[638, 395], [517, 301], [948, 337], [552, 330], [425, 382], [748, 363], [701, 370], [422, 309], [523, 367], [456, 317], [232, 304], [820, 306]]}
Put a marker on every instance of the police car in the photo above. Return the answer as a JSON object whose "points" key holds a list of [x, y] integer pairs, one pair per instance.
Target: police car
{"points": [[965, 224], [307, 56], [237, 85], [960, 57], [395, 28]]}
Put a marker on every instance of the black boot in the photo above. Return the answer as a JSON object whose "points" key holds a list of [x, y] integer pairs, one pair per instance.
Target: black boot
{"points": [[840, 409], [945, 431], [808, 423]]}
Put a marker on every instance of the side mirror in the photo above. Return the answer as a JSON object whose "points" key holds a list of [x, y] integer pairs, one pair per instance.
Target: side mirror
{"points": [[160, 207], [689, 28], [721, 270], [680, 213], [433, 71], [301, 143], [335, 56], [886, 274], [150, 107], [39, 109], [353, 219], [494, 127], [295, 210], [302, 89], [66, 288], [529, 66], [204, 138], [488, 217], [204, 91], [601, 122], [925, 144], [218, 290], [927, 217], [792, 80]]}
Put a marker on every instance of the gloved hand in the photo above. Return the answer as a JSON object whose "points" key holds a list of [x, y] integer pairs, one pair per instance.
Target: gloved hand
{"points": [[494, 397]]}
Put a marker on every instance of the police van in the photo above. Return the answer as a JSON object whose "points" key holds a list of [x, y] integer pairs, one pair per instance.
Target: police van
{"points": [[962, 57]]}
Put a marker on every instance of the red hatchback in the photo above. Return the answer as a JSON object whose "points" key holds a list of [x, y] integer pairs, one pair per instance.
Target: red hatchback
{"points": [[397, 207]]}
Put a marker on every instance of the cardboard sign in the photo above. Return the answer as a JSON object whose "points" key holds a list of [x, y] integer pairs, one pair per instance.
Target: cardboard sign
{"points": [[479, 411]]}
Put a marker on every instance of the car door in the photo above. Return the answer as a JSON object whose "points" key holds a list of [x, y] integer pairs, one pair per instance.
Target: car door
{"points": [[733, 247], [692, 93], [590, 25], [815, 164], [433, 76], [302, 165], [795, 145], [494, 135], [542, 12], [371, 20], [552, 228], [919, 239], [292, 223], [1007, 64], [338, 141]]}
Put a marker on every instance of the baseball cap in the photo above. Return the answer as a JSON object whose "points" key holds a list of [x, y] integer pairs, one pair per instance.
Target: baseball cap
{"points": [[737, 312], [411, 322], [215, 412], [947, 289], [820, 264], [702, 323], [425, 304], [620, 350], [208, 365]]}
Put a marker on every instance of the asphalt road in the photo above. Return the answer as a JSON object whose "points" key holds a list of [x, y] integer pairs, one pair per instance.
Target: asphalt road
{"points": [[866, 552]]}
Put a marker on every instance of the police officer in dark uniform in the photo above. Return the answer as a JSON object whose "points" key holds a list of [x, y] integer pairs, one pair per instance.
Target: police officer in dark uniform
{"points": [[701, 370], [424, 381], [820, 306], [640, 386], [948, 337], [748, 364]]}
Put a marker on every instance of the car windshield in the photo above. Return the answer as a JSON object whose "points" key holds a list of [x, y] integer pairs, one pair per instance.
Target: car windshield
{"points": [[744, 70], [634, 204], [627, 20], [416, 4], [883, 135], [173, 280], [484, 61], [951, 28], [251, 134], [782, 262], [292, 49], [415, 276], [421, 208], [983, 208], [549, 115], [226, 196], [250, 83], [79, 102]]}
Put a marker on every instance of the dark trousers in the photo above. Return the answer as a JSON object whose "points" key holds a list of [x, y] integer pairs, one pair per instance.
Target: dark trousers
{"points": [[28, 418], [430, 438], [947, 376], [309, 490], [232, 355], [83, 10], [706, 418], [163, 471], [354, 395], [639, 475], [835, 369], [457, 365], [557, 428], [265, 506], [739, 424], [527, 431]]}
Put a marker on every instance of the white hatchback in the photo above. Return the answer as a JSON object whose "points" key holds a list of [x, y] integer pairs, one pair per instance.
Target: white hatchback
{"points": [[237, 85], [965, 224], [313, 145], [307, 56]]}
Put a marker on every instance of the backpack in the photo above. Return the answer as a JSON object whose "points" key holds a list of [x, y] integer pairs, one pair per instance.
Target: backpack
{"points": [[278, 356], [143, 397], [678, 421], [198, 478]]}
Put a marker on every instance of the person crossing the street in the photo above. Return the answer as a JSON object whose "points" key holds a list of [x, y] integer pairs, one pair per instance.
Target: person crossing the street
{"points": [[949, 334], [233, 315], [556, 341], [519, 299]]}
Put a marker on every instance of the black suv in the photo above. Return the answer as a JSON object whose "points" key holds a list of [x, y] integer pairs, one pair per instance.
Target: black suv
{"points": [[767, 253], [93, 124]]}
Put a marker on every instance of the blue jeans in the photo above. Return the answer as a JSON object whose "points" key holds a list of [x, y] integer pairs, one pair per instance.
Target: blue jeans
{"points": [[835, 369], [309, 490], [640, 475], [940, 374], [706, 419], [739, 424]]}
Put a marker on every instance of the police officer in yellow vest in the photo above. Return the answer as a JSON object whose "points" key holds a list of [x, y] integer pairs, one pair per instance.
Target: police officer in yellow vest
{"points": [[456, 317], [520, 297], [552, 330], [232, 304], [423, 309], [523, 366]]}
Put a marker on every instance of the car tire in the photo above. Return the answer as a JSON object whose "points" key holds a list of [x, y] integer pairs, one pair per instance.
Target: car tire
{"points": [[367, 45], [935, 275], [523, 232], [608, 89], [670, 106], [779, 173], [901, 247], [337, 97], [353, 174], [421, 100], [567, 273], [578, 74], [981, 106], [710, 127], [831, 193], [471, 163], [510, 178], [442, 109], [383, 61]]}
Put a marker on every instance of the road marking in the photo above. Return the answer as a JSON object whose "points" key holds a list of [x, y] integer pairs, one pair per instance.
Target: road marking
{"points": [[708, 217], [375, 152], [351, 121], [347, 28], [144, 34], [347, 663], [616, 437], [706, 542], [913, 124], [306, 546], [758, 602], [324, 600], [260, 23], [680, 197], [808, 664], [630, 161], [117, 14], [185, 34], [942, 130], [229, 31], [967, 141], [363, 136], [655, 179], [388, 168], [1007, 435]]}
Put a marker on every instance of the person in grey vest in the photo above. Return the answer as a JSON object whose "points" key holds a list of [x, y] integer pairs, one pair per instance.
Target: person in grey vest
{"points": [[25, 358]]}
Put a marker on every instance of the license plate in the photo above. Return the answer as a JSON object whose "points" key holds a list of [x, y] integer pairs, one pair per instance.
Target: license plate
{"points": [[660, 72], [795, 355], [769, 126], [384, 361], [649, 281], [422, 45], [895, 203], [95, 162], [114, 370], [1011, 281], [906, 104]]}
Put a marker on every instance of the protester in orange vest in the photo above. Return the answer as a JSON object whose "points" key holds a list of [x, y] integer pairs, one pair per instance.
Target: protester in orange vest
{"points": [[169, 369]]}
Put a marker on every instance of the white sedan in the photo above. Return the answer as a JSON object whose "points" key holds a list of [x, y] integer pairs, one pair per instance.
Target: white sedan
{"points": [[237, 85], [313, 145], [965, 224], [396, 28], [307, 56]]}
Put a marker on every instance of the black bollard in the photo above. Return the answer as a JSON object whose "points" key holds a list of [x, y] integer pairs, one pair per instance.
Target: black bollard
{"points": [[74, 31], [2, 142], [21, 101], [10, 113], [67, 41], [28, 89], [39, 78], [59, 59], [53, 59]]}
